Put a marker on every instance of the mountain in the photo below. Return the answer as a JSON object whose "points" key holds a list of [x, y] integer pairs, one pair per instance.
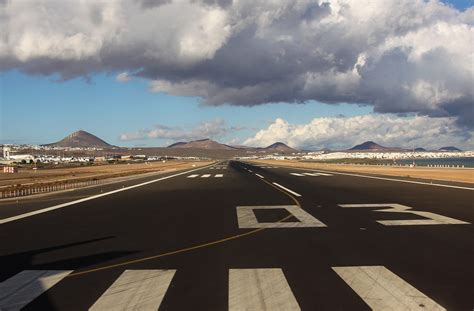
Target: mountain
{"points": [[369, 145], [449, 148], [419, 149], [81, 139], [280, 147], [202, 144]]}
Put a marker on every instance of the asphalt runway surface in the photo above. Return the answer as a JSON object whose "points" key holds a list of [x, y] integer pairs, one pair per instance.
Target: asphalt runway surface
{"points": [[237, 236]]}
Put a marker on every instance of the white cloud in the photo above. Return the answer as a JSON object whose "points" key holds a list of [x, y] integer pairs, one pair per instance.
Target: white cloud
{"points": [[345, 132], [396, 55], [123, 77], [210, 129]]}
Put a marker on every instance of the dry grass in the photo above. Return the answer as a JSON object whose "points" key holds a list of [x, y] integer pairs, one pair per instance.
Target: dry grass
{"points": [[446, 174], [29, 176]]}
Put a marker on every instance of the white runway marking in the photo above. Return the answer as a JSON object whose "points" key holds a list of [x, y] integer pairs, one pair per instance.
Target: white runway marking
{"points": [[219, 175], [23, 288], [205, 175], [247, 219], [324, 174], [260, 289], [55, 207], [286, 189], [381, 289], [394, 179], [311, 174], [250, 171], [433, 219], [297, 174], [136, 290], [193, 176], [259, 175]]}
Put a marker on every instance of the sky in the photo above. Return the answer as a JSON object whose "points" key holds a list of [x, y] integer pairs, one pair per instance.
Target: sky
{"points": [[312, 74]]}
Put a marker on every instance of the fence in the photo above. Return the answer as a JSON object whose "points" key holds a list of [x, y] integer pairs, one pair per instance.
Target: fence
{"points": [[20, 191]]}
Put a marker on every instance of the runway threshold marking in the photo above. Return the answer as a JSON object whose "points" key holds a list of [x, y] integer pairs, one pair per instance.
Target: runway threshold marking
{"points": [[23, 288], [260, 289], [136, 290], [382, 289], [286, 189], [55, 207], [205, 175]]}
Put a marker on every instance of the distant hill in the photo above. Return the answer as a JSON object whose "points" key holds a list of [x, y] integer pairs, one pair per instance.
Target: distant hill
{"points": [[419, 149], [81, 139], [449, 148], [369, 145], [280, 147], [202, 144]]}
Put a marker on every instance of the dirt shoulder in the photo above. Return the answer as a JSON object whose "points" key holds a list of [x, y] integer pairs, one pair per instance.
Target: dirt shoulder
{"points": [[445, 174], [27, 177]]}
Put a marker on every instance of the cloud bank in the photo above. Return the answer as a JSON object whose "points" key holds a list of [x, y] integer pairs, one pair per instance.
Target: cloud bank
{"points": [[211, 129], [398, 56], [345, 132]]}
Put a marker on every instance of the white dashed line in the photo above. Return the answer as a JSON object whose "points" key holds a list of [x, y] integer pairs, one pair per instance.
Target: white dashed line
{"points": [[219, 175], [193, 176], [206, 176], [259, 175], [297, 174], [286, 189]]}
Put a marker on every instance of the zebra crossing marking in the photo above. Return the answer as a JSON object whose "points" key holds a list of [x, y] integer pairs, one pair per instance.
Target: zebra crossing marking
{"points": [[260, 289], [24, 287], [381, 289], [246, 218], [136, 290]]}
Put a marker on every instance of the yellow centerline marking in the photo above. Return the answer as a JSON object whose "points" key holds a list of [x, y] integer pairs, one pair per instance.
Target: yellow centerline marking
{"points": [[187, 249]]}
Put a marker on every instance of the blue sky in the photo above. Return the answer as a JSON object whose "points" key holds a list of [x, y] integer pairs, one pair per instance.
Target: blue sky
{"points": [[108, 108], [44, 95]]}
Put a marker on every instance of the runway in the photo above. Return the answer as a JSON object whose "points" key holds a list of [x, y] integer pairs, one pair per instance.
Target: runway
{"points": [[237, 236]]}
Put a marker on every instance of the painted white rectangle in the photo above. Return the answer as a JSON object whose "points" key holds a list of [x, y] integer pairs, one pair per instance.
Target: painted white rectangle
{"points": [[382, 289], [297, 174], [205, 175], [23, 288], [219, 175], [259, 175], [136, 290], [312, 174], [193, 176], [260, 289], [324, 174], [286, 189], [250, 171]]}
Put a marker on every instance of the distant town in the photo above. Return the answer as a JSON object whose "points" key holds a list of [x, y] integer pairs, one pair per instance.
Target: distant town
{"points": [[84, 148]]}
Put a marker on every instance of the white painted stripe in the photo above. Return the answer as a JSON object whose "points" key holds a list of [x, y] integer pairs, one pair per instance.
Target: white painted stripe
{"points": [[136, 290], [23, 288], [193, 176], [311, 174], [297, 174], [259, 175], [286, 189], [250, 171], [381, 289], [219, 175], [205, 175], [260, 289], [324, 174], [55, 207], [393, 179]]}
